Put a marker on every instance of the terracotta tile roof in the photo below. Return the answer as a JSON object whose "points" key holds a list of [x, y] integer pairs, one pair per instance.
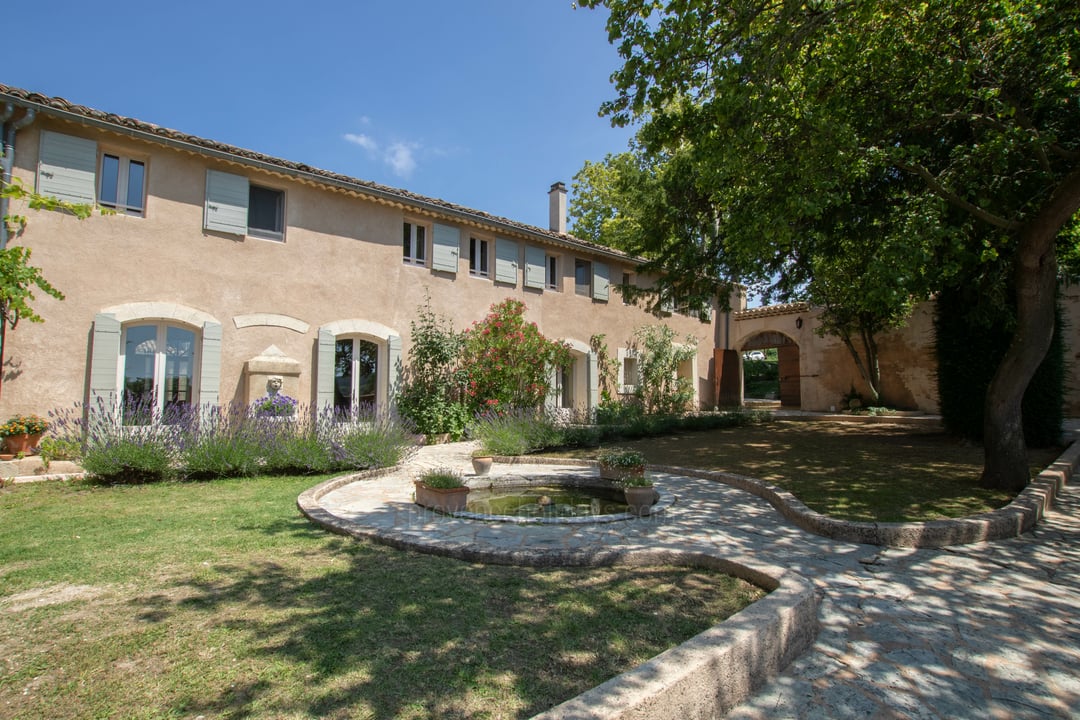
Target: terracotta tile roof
{"points": [[771, 310], [60, 107]]}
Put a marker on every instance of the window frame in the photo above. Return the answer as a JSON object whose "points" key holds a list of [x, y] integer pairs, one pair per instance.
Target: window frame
{"points": [[355, 406], [123, 183], [262, 233], [410, 255], [551, 272], [583, 289], [160, 365], [485, 255]]}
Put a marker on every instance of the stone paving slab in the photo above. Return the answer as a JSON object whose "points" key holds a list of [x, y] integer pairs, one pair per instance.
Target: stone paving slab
{"points": [[988, 630]]}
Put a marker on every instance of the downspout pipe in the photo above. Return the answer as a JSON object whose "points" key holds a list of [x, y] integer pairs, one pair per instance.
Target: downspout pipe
{"points": [[8, 161]]}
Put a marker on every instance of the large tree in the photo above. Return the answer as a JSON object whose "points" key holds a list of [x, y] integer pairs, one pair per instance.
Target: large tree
{"points": [[969, 107]]}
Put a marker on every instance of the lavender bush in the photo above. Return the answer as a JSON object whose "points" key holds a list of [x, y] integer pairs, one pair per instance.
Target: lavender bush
{"points": [[235, 441]]}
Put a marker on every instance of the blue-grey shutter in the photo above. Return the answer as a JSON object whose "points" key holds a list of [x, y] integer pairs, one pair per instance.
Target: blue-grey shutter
{"points": [[104, 359], [445, 248], [393, 369], [324, 369], [600, 280], [551, 400], [506, 261], [210, 366], [226, 203], [535, 266], [667, 304], [593, 379], [67, 167]]}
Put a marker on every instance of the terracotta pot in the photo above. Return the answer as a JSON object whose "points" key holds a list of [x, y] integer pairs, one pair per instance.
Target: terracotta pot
{"points": [[618, 472], [445, 500], [481, 464], [21, 443], [639, 500]]}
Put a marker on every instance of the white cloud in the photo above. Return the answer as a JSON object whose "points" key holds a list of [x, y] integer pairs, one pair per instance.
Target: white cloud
{"points": [[365, 141], [401, 159]]}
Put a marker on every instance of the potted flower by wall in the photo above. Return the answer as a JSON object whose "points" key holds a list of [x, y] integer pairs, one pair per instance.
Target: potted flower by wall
{"points": [[441, 489], [618, 463], [639, 493], [482, 460], [21, 433]]}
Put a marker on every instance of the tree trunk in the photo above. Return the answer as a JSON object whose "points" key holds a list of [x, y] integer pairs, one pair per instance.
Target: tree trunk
{"points": [[864, 373], [1005, 461]]}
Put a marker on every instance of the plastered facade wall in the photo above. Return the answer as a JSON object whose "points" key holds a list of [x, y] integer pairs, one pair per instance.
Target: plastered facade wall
{"points": [[341, 261]]}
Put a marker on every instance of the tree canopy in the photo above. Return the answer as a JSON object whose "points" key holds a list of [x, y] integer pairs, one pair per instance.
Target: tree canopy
{"points": [[925, 140]]}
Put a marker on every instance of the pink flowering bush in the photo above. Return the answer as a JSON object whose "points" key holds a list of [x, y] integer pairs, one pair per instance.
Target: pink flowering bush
{"points": [[508, 363]]}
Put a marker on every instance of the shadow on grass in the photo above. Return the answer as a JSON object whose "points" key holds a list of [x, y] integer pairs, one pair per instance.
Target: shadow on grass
{"points": [[389, 634]]}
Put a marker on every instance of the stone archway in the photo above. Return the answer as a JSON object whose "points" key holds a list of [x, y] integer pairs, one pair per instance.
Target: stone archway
{"points": [[787, 351]]}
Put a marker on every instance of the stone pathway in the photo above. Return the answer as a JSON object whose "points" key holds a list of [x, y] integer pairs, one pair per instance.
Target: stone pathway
{"points": [[990, 630]]}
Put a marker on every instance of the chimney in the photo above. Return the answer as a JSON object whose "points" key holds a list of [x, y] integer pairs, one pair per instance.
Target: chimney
{"points": [[557, 208]]}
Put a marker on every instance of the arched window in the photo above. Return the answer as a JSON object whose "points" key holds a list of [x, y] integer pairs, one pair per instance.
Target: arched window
{"points": [[356, 374], [157, 372]]}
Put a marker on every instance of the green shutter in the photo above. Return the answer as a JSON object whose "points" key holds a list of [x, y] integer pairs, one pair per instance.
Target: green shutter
{"points": [[445, 248], [393, 369], [226, 207], [551, 400], [535, 266], [600, 281], [324, 372], [104, 360], [67, 168], [506, 261], [210, 366]]}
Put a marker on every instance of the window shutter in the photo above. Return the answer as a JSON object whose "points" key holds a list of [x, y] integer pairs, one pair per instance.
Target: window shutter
{"points": [[226, 203], [324, 369], [667, 304], [104, 359], [446, 248], [506, 261], [393, 369], [600, 281], [67, 168], [593, 379], [551, 400], [210, 366], [535, 267]]}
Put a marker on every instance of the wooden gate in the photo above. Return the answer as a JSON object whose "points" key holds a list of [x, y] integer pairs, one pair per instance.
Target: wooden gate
{"points": [[790, 388]]}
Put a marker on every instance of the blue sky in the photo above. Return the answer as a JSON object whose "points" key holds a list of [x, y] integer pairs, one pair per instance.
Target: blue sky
{"points": [[483, 103]]}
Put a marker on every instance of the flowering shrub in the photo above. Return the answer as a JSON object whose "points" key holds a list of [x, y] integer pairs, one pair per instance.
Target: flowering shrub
{"points": [[23, 425], [430, 394], [274, 406], [507, 361]]}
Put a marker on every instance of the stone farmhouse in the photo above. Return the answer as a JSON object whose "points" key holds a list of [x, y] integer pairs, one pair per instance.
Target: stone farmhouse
{"points": [[222, 268]]}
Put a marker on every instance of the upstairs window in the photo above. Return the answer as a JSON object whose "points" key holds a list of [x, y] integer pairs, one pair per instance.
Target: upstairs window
{"points": [[414, 244], [236, 206], [478, 257], [266, 212], [551, 276], [122, 185], [582, 277]]}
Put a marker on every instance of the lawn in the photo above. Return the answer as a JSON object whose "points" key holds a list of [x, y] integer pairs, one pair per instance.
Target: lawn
{"points": [[217, 599], [849, 470]]}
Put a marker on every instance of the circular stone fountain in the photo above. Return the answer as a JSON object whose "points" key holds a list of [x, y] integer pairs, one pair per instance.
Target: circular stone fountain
{"points": [[565, 499]]}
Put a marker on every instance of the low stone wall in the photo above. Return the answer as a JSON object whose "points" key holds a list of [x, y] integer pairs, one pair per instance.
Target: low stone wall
{"points": [[716, 670]]}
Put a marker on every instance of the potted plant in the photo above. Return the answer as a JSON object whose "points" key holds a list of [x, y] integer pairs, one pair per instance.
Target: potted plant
{"points": [[21, 433], [639, 493], [482, 460], [618, 463], [441, 489]]}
